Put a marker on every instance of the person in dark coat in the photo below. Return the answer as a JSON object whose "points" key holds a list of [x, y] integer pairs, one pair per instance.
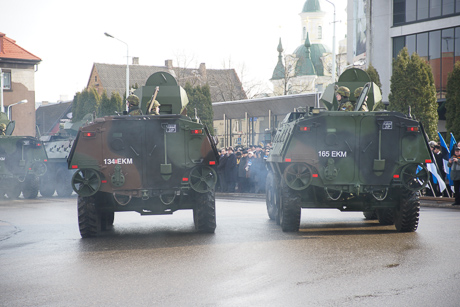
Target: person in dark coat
{"points": [[230, 170], [242, 180], [221, 170]]}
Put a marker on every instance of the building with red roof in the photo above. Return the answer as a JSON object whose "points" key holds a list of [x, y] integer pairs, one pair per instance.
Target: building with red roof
{"points": [[18, 67]]}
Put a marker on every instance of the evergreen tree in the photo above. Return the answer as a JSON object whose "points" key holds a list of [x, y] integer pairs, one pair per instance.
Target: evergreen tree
{"points": [[116, 100], [105, 108], [87, 102], [75, 102], [109, 107], [200, 99], [453, 102], [412, 85]]}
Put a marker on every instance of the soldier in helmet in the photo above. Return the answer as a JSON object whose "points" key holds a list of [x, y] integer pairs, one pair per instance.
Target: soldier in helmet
{"points": [[155, 110], [2, 129], [342, 95], [358, 92], [133, 108]]}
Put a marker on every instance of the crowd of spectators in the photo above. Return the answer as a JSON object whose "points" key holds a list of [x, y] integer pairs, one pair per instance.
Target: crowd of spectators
{"points": [[453, 186], [242, 169]]}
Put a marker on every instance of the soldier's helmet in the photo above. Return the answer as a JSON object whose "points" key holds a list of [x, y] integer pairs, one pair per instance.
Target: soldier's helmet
{"points": [[358, 91], [343, 91], [133, 100]]}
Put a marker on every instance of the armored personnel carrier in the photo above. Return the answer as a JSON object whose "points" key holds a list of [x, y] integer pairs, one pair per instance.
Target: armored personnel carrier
{"points": [[151, 164], [22, 162], [58, 176], [373, 162]]}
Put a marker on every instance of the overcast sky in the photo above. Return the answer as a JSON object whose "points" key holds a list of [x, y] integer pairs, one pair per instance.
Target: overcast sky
{"points": [[69, 35]]}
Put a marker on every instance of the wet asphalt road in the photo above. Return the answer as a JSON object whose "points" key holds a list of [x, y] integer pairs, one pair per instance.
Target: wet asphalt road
{"points": [[337, 259]]}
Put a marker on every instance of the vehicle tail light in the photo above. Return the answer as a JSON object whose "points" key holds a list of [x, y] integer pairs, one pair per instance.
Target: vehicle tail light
{"points": [[89, 134], [412, 129], [196, 131]]}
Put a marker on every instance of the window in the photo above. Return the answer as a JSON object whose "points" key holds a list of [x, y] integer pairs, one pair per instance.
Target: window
{"points": [[398, 45], [304, 33], [95, 78], [320, 32], [422, 45], [411, 44], [457, 44], [447, 43], [7, 80], [399, 12], [448, 7], [435, 59], [435, 8], [422, 9], [411, 10]]}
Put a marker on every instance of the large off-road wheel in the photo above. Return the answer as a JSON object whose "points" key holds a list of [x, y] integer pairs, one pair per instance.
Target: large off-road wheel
{"points": [[64, 184], [407, 215], [386, 216], [89, 218], [14, 191], [290, 210], [204, 212], [272, 197], [30, 187]]}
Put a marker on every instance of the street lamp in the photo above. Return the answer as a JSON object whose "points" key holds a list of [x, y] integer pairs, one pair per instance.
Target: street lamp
{"points": [[9, 107], [127, 66], [333, 45]]}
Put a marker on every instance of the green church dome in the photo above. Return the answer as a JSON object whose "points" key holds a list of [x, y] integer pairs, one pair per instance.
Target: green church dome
{"points": [[311, 6], [316, 52]]}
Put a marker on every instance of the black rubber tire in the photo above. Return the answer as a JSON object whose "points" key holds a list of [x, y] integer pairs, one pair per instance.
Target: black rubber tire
{"points": [[204, 212], [407, 215], [14, 191], [63, 184], [271, 197], [47, 185], [30, 187], [386, 216], [290, 210], [370, 215], [89, 219]]}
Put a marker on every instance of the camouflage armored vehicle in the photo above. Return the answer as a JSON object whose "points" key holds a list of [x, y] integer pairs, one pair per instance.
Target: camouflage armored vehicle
{"points": [[58, 176], [373, 162], [151, 164], [22, 162]]}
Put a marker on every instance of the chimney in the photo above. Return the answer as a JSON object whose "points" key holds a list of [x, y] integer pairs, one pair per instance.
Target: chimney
{"points": [[168, 63], [135, 60], [1, 41], [202, 70]]}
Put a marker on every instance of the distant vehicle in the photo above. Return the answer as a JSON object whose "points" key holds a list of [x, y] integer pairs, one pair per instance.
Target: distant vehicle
{"points": [[151, 164], [373, 162], [58, 176], [22, 162]]}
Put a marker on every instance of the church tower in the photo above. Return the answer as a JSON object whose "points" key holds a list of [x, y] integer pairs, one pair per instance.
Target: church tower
{"points": [[307, 68]]}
